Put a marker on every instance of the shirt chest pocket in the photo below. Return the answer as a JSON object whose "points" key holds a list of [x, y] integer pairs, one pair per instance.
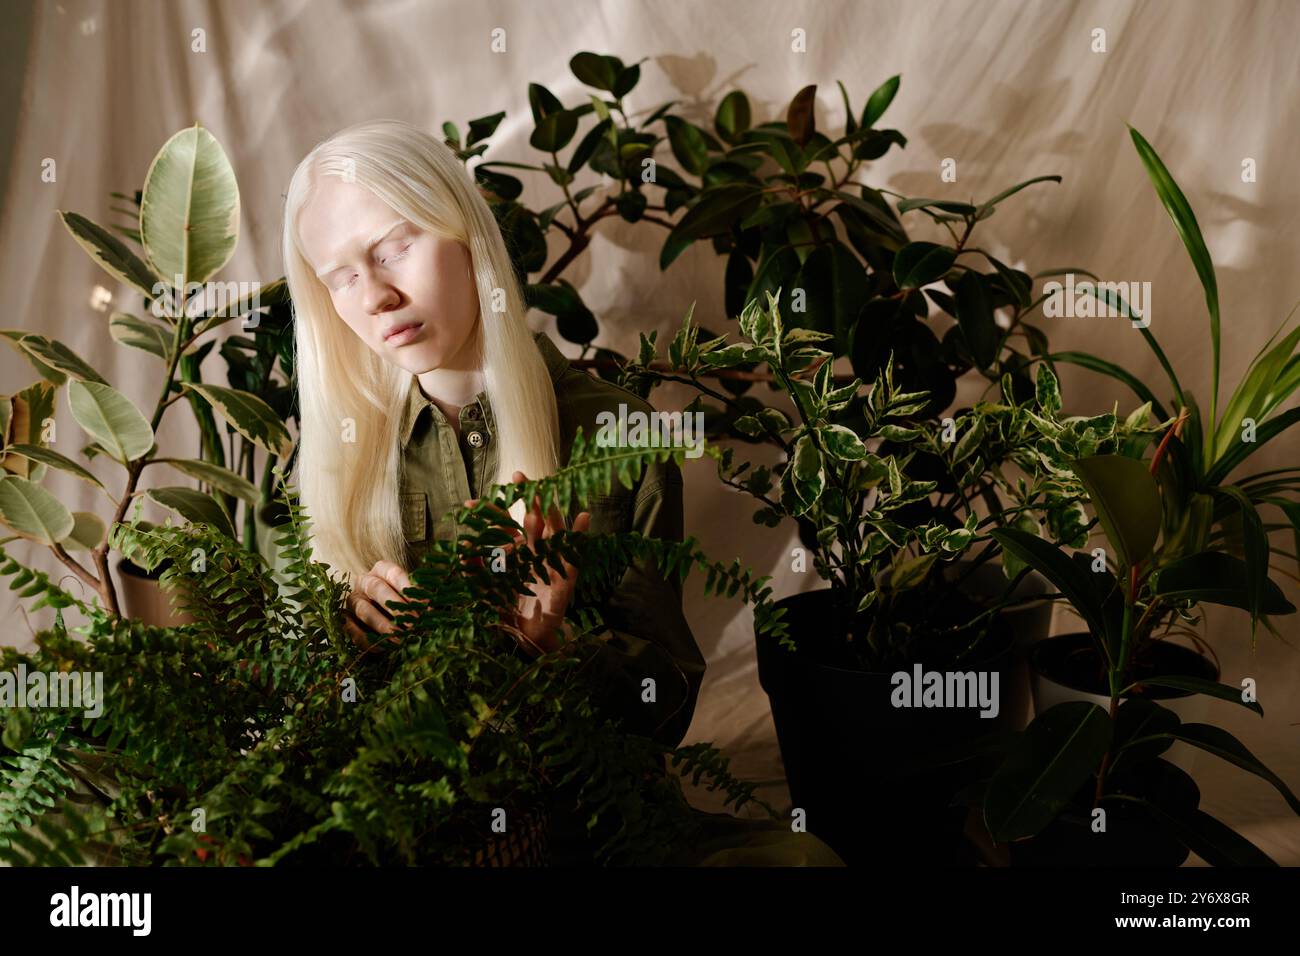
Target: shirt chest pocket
{"points": [[610, 514], [415, 516]]}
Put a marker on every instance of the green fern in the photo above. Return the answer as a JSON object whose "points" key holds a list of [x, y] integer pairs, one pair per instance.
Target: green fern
{"points": [[258, 735]]}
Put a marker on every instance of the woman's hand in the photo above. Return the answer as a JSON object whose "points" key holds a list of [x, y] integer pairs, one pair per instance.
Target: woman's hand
{"points": [[539, 616], [381, 584]]}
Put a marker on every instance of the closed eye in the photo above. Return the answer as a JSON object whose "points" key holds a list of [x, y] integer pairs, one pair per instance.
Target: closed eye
{"points": [[397, 255]]}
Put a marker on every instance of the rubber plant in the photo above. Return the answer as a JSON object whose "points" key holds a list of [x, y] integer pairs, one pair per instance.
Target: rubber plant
{"points": [[259, 735], [189, 216], [1098, 774]]}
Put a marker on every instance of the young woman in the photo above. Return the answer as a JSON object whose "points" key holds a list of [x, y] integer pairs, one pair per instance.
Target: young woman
{"points": [[420, 384]]}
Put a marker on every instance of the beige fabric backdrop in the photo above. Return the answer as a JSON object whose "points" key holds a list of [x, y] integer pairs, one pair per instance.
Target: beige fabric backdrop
{"points": [[1008, 90]]}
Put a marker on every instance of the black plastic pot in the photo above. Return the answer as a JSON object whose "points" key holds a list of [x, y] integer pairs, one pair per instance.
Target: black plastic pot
{"points": [[1068, 667], [844, 743]]}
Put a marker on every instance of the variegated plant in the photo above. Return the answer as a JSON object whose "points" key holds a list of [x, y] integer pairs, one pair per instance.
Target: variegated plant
{"points": [[188, 228], [887, 496]]}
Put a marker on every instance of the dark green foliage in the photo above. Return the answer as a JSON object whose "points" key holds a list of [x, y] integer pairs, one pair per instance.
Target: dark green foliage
{"points": [[259, 735]]}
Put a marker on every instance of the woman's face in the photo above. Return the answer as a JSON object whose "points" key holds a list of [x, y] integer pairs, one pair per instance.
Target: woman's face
{"points": [[385, 274]]}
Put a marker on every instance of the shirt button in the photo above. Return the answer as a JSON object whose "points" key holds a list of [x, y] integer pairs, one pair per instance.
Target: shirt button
{"points": [[475, 439], [472, 412]]}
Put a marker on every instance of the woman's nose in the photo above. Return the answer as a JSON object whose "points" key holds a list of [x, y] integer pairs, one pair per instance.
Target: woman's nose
{"points": [[380, 296]]}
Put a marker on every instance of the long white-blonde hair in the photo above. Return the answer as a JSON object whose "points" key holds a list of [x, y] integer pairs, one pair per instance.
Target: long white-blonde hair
{"points": [[350, 488]]}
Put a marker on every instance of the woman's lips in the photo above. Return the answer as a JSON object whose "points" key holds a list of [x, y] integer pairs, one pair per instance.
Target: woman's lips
{"points": [[403, 333]]}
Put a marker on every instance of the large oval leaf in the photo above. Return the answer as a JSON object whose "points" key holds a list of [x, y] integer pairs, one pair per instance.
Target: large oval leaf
{"points": [[193, 506], [139, 334], [111, 253], [1216, 578], [87, 532], [919, 263], [33, 512], [249, 415], [48, 456], [222, 478], [59, 356], [1059, 751], [108, 415], [189, 211], [1127, 500]]}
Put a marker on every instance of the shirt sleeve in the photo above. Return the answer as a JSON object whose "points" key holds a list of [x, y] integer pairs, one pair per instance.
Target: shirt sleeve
{"points": [[646, 634]]}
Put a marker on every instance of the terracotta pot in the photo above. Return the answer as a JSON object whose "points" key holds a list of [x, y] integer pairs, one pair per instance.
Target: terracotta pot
{"points": [[142, 598]]}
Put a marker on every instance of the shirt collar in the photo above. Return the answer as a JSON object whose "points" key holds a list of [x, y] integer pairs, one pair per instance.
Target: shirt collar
{"points": [[556, 366]]}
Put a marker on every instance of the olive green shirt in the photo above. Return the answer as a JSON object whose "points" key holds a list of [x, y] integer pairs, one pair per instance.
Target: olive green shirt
{"points": [[647, 633]]}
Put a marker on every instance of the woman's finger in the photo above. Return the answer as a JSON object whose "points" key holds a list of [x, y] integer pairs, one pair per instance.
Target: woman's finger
{"points": [[380, 591], [394, 574], [371, 616], [358, 636]]}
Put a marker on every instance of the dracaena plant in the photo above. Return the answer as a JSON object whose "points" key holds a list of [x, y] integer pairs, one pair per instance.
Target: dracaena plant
{"points": [[188, 227], [1078, 758], [879, 535], [296, 748], [1204, 507]]}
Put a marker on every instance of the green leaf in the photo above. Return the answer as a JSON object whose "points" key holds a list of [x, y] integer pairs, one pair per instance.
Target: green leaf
{"points": [[1180, 211], [1257, 395], [986, 208], [1255, 547], [1071, 580], [1222, 744], [248, 415], [87, 533], [57, 355], [1060, 750], [139, 334], [947, 205], [594, 70], [975, 316], [1198, 685], [717, 210], [1241, 450], [1127, 500], [733, 116], [193, 506], [879, 101], [554, 132], [33, 512], [1092, 363], [1213, 577], [1210, 839], [113, 255], [189, 212], [842, 442], [109, 417], [919, 263], [1047, 390], [912, 571], [47, 456], [221, 478]]}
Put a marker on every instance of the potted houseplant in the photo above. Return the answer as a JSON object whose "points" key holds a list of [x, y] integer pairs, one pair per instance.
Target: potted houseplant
{"points": [[259, 735], [188, 228], [1088, 783], [894, 600]]}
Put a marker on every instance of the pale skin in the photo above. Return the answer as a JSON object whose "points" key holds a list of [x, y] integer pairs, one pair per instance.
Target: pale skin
{"points": [[383, 272]]}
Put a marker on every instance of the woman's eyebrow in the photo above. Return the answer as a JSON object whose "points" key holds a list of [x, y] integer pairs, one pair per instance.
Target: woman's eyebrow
{"points": [[380, 235]]}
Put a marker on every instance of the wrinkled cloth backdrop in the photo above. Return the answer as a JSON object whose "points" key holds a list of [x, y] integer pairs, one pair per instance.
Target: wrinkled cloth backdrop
{"points": [[1010, 90]]}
